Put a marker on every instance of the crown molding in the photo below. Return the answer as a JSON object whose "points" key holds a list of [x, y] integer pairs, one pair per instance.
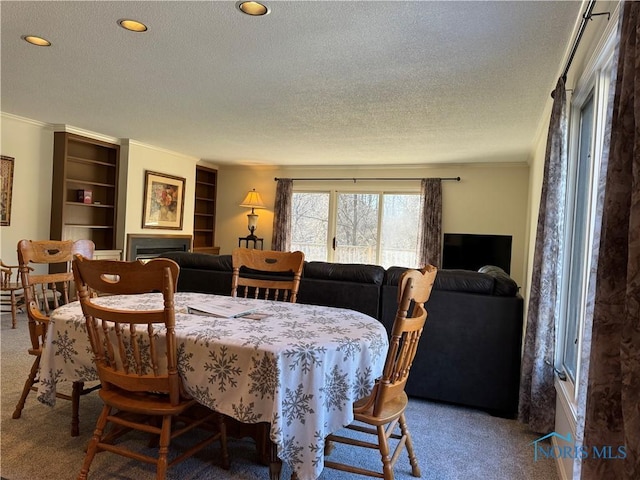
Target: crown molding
{"points": [[30, 121], [128, 141], [85, 133]]}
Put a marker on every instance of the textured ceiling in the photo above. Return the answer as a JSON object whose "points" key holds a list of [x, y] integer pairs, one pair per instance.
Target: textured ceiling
{"points": [[312, 83]]}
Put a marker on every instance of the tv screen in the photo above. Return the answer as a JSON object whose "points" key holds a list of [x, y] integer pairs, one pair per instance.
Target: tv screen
{"points": [[470, 251]]}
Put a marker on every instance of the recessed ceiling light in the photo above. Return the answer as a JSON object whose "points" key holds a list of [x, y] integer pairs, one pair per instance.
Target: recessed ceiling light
{"points": [[132, 25], [252, 8], [35, 40]]}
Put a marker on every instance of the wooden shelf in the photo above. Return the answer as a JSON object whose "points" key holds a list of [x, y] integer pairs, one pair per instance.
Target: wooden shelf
{"points": [[82, 225], [88, 182], [210, 250], [82, 163], [92, 205], [89, 161], [204, 216]]}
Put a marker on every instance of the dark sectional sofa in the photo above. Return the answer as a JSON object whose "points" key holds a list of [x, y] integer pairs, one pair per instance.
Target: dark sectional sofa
{"points": [[469, 353]]}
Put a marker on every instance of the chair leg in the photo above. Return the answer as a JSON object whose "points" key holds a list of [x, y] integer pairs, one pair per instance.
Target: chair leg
{"points": [[163, 452], [31, 379], [328, 447], [263, 443], [415, 469], [76, 390], [275, 464], [13, 309], [93, 444], [226, 463], [383, 446], [154, 439]]}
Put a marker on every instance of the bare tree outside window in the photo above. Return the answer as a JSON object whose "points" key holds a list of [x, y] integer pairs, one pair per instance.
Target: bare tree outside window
{"points": [[399, 231], [310, 224], [374, 228], [357, 228]]}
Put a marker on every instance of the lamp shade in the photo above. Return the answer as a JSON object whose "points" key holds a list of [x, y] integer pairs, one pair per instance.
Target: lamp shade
{"points": [[252, 200]]}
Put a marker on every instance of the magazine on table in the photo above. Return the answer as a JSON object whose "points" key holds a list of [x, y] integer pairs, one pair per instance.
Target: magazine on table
{"points": [[225, 308]]}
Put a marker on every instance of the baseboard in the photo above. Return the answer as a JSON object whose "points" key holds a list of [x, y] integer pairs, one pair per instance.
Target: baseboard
{"points": [[565, 422]]}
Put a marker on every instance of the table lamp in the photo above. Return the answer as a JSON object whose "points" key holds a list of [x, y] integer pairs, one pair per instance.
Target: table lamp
{"points": [[252, 201]]}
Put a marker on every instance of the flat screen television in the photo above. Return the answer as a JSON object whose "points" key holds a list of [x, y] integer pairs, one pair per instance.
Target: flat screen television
{"points": [[471, 251]]}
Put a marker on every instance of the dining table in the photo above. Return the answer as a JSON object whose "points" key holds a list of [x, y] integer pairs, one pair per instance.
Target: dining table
{"points": [[297, 367]]}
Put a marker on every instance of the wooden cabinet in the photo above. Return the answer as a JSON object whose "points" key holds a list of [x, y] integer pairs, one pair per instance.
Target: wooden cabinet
{"points": [[85, 190], [204, 216]]}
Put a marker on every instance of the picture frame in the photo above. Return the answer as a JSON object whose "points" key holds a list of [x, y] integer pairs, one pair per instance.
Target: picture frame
{"points": [[163, 201], [6, 189]]}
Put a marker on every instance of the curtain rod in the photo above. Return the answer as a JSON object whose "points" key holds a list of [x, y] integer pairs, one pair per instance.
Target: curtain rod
{"points": [[354, 180], [588, 15]]}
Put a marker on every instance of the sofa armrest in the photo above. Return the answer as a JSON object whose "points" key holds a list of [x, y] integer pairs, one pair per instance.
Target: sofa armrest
{"points": [[504, 285]]}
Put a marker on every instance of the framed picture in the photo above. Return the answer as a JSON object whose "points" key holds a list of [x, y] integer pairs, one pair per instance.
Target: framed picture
{"points": [[6, 189], [163, 201]]}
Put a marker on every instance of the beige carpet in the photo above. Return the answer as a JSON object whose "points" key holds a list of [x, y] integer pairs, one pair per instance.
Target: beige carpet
{"points": [[452, 443]]}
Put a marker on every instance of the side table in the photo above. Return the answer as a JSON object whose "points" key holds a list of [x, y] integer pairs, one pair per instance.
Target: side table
{"points": [[255, 241]]}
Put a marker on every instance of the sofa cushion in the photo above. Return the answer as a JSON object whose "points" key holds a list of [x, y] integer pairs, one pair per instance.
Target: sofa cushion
{"points": [[465, 281], [504, 286], [201, 261], [359, 296], [346, 272]]}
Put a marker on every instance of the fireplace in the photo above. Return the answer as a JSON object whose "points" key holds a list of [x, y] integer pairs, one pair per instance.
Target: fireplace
{"points": [[145, 247]]}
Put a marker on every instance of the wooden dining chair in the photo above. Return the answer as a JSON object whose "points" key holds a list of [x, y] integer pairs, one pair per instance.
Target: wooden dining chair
{"points": [[44, 292], [136, 356], [11, 291], [378, 415], [269, 275], [266, 274]]}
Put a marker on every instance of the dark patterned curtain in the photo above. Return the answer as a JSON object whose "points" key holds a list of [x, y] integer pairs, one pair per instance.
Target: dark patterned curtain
{"points": [[611, 414], [537, 392], [430, 237], [282, 215]]}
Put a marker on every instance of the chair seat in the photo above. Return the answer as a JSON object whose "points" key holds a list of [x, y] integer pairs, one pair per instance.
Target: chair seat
{"points": [[390, 411], [143, 403]]}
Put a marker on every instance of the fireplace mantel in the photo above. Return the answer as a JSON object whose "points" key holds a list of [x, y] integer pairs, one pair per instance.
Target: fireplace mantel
{"points": [[141, 246]]}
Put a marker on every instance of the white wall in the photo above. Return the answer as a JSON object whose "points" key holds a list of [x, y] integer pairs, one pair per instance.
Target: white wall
{"points": [[136, 158], [30, 143], [490, 199]]}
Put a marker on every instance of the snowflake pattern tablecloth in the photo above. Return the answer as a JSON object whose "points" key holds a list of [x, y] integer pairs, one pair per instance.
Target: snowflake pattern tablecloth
{"points": [[299, 368]]}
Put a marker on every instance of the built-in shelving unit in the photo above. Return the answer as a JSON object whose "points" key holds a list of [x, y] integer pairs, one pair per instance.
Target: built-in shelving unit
{"points": [[204, 216], [82, 165]]}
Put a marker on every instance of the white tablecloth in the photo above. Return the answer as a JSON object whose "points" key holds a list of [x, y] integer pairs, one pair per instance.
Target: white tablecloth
{"points": [[300, 368]]}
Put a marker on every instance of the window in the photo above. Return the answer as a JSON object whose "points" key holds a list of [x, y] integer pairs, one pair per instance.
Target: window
{"points": [[586, 137], [580, 228], [357, 227], [310, 224]]}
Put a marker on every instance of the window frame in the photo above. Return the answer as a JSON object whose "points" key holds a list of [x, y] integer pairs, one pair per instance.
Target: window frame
{"points": [[364, 187], [595, 80]]}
